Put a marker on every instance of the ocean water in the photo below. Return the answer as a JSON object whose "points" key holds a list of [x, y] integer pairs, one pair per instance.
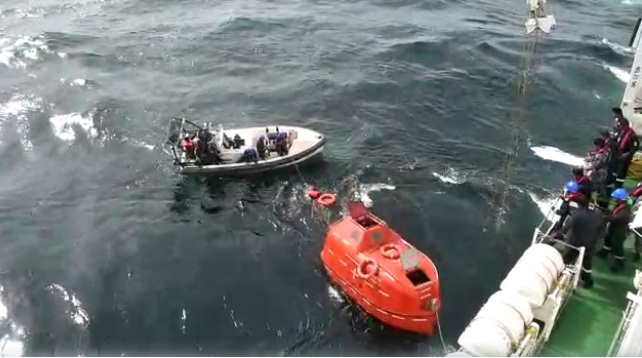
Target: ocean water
{"points": [[104, 250]]}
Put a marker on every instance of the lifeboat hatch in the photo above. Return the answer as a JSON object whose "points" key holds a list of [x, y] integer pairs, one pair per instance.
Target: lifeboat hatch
{"points": [[366, 222], [417, 277]]}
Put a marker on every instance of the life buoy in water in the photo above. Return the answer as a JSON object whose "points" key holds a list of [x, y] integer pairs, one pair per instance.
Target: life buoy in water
{"points": [[314, 194], [390, 251], [367, 268], [327, 199]]}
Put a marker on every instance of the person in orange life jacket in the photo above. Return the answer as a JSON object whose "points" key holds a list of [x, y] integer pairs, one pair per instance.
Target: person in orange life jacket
{"points": [[585, 187], [187, 144], [618, 229], [584, 228], [596, 167], [627, 145], [634, 196], [571, 195]]}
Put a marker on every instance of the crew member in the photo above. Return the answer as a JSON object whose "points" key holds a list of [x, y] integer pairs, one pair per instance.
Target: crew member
{"points": [[627, 145], [187, 145], [281, 143], [261, 147], [585, 187], [584, 228], [250, 155], [571, 195], [596, 167], [634, 197], [618, 229]]}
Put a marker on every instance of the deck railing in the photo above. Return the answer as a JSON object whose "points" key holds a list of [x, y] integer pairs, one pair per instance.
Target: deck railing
{"points": [[627, 337]]}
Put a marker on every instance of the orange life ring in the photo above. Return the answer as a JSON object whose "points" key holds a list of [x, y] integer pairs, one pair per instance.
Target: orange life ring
{"points": [[390, 251], [327, 199], [362, 269]]}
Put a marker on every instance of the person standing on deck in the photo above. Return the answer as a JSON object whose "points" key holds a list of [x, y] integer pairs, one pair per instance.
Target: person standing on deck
{"points": [[596, 167], [585, 187], [584, 228], [627, 145], [571, 195], [618, 219]]}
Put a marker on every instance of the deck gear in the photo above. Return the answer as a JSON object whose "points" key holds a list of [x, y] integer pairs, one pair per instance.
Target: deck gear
{"points": [[387, 277]]}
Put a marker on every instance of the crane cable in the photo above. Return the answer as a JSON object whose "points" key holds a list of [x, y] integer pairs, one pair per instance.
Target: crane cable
{"points": [[527, 69]]}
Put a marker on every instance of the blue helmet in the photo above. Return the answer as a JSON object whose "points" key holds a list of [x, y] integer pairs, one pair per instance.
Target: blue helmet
{"points": [[572, 187], [619, 194]]}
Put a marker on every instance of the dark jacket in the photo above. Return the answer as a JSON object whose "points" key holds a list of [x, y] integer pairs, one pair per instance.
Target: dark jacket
{"points": [[585, 186], [628, 143], [619, 219], [583, 228]]}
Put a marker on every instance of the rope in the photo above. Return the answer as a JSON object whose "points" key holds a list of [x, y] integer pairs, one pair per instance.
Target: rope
{"points": [[519, 119], [441, 336]]}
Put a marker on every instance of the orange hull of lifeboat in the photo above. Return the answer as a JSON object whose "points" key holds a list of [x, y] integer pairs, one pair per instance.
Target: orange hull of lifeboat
{"points": [[382, 273]]}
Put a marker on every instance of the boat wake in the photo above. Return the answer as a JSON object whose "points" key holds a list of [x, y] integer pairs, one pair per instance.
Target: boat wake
{"points": [[622, 75]]}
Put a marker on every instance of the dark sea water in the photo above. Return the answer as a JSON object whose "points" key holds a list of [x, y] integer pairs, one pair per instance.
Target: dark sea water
{"points": [[104, 250]]}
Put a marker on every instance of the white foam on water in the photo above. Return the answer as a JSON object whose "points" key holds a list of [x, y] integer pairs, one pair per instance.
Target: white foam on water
{"points": [[451, 176], [365, 189], [334, 294], [557, 155], [63, 125], [621, 74], [78, 82], [546, 205], [14, 112], [19, 52], [621, 49], [77, 314], [12, 335]]}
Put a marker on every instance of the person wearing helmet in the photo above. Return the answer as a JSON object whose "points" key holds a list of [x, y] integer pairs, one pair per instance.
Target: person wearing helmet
{"points": [[571, 194], [585, 187], [618, 229], [583, 228]]}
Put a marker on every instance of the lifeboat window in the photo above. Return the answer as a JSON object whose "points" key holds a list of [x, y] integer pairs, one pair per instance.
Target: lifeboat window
{"points": [[417, 277], [377, 236]]}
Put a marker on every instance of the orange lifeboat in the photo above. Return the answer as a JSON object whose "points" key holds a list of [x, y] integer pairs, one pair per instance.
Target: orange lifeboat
{"points": [[382, 273]]}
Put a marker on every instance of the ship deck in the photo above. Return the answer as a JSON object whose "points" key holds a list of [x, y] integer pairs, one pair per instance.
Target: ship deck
{"points": [[591, 318]]}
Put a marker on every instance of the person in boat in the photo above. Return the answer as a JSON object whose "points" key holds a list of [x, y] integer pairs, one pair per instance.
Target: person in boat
{"points": [[571, 195], [281, 143], [237, 141], [249, 155], [262, 147], [584, 228], [596, 168], [627, 145], [618, 229], [187, 145]]}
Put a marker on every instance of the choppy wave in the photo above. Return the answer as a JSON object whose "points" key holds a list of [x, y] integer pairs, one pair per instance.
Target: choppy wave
{"points": [[21, 51]]}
